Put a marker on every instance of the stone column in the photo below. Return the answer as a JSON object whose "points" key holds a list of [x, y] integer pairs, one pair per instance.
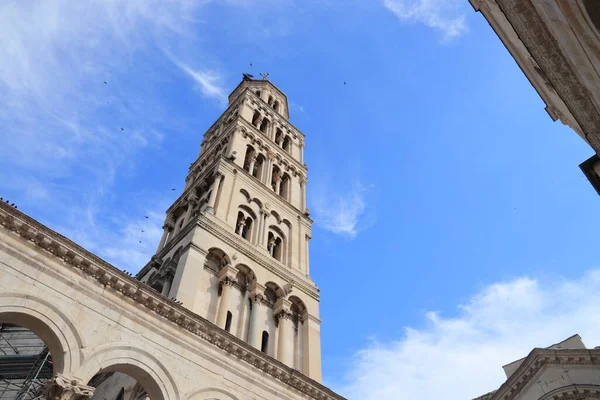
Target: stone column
{"points": [[191, 202], [213, 195], [226, 280], [167, 228], [303, 193], [277, 183], [285, 342], [61, 387], [255, 333], [252, 162], [167, 286]]}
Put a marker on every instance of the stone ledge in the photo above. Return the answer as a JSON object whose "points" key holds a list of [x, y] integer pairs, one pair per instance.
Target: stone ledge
{"points": [[108, 275]]}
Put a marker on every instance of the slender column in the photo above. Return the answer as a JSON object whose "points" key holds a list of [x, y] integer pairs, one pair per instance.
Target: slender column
{"points": [[252, 162], [167, 286], [277, 183], [265, 231], [240, 332], [254, 333], [224, 303], [302, 152], [226, 279], [213, 195], [167, 228], [284, 349], [303, 192], [192, 201], [307, 253]]}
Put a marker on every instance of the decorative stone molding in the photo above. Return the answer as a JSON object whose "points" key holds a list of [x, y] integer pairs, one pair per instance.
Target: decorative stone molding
{"points": [[538, 359], [74, 256], [574, 392], [535, 35], [62, 388]]}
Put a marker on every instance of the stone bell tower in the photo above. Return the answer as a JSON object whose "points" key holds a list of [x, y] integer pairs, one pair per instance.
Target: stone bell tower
{"points": [[235, 243]]}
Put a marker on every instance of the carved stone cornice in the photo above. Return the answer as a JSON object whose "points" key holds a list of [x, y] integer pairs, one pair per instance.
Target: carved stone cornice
{"points": [[573, 392], [76, 257], [538, 359], [59, 387], [544, 48]]}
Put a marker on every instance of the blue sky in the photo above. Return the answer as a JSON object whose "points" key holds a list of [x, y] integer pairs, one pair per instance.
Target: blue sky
{"points": [[453, 229]]}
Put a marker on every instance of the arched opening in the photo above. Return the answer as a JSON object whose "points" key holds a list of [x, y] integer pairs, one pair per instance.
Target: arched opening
{"points": [[124, 381], [284, 187], [275, 246], [256, 118], [275, 178], [299, 315], [264, 125], [257, 172], [278, 136], [264, 344], [228, 321], [591, 6], [26, 363], [249, 158], [287, 144], [276, 106], [270, 100], [258, 93], [244, 226]]}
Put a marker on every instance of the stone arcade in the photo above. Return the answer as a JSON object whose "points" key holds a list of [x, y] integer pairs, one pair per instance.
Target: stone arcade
{"points": [[225, 309]]}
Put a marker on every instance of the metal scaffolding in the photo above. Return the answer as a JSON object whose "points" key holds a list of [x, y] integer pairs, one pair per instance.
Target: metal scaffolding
{"points": [[25, 364]]}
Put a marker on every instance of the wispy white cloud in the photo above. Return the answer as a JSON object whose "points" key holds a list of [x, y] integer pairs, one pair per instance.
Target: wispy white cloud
{"points": [[446, 16], [342, 213], [461, 357], [209, 82]]}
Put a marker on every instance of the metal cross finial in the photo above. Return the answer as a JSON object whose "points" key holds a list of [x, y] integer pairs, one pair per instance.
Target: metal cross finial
{"points": [[264, 75]]}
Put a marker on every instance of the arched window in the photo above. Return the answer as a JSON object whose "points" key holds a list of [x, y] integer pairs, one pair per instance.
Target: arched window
{"points": [[264, 345], [256, 118], [287, 144], [276, 106], [248, 159], [275, 246], [264, 125], [228, 321], [258, 167], [243, 226], [270, 101], [278, 136], [258, 93]]}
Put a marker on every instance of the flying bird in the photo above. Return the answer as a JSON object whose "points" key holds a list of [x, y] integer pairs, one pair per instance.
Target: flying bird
{"points": [[250, 64], [172, 189], [344, 82], [145, 216], [140, 241], [121, 128], [105, 82], [142, 230]]}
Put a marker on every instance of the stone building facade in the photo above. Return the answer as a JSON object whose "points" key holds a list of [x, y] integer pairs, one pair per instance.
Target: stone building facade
{"points": [[563, 371], [225, 309], [557, 45]]}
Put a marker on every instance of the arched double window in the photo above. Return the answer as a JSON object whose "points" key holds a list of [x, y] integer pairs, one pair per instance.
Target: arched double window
{"points": [[264, 125], [275, 246], [243, 226], [276, 106], [287, 144], [257, 171]]}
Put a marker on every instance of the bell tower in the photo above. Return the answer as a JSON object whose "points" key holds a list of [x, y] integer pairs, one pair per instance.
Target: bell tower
{"points": [[235, 242]]}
